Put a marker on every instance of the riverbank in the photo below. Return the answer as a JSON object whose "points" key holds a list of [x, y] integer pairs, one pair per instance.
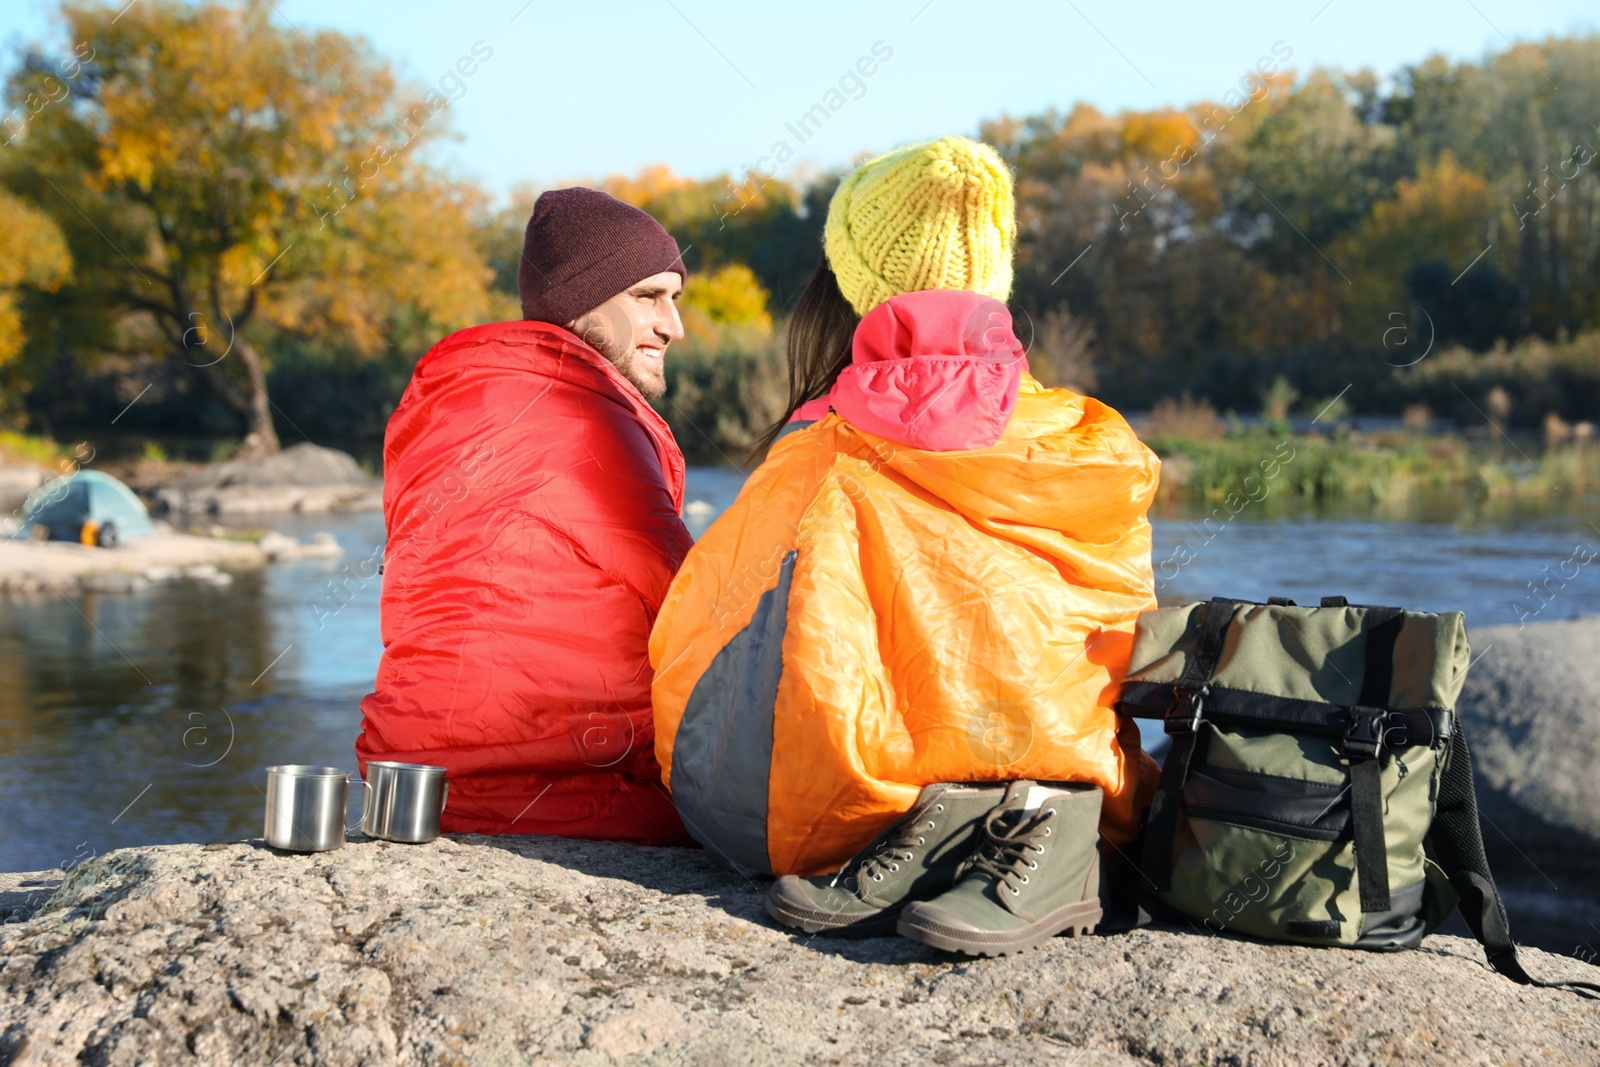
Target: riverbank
{"points": [[522, 950], [59, 568], [302, 478], [1389, 467]]}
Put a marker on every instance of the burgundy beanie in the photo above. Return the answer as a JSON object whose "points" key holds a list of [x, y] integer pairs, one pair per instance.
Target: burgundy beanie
{"points": [[583, 247]]}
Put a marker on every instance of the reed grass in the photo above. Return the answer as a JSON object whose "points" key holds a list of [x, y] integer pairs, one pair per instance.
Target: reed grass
{"points": [[1386, 468]]}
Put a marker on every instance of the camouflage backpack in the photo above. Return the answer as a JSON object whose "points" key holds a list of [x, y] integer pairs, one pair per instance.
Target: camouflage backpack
{"points": [[1318, 788]]}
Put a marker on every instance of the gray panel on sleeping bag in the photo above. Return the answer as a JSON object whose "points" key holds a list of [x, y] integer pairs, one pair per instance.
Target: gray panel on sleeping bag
{"points": [[722, 756]]}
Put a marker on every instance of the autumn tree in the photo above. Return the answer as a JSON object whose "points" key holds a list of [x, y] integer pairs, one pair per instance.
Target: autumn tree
{"points": [[1117, 236], [728, 298], [1417, 247], [32, 254], [769, 226], [1524, 119], [220, 178]]}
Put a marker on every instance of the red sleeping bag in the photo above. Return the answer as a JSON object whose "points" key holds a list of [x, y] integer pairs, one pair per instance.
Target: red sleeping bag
{"points": [[531, 499]]}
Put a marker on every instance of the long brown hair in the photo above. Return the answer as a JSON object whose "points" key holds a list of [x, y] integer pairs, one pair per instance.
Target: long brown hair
{"points": [[820, 333]]}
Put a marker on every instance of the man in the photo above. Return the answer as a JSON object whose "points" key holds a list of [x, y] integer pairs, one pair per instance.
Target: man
{"points": [[531, 498]]}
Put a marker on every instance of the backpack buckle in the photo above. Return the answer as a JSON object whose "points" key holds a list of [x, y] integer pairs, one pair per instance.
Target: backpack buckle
{"points": [[1183, 715], [1363, 738]]}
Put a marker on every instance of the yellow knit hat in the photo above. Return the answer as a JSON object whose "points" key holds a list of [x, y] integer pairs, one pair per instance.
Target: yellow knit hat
{"points": [[939, 215]]}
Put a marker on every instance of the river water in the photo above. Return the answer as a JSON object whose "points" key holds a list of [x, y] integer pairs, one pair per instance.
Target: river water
{"points": [[148, 718]]}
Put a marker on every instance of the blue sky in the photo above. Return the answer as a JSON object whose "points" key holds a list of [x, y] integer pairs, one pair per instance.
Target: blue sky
{"points": [[575, 90]]}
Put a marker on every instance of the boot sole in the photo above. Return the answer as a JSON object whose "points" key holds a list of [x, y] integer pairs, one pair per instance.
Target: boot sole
{"points": [[827, 924], [1072, 920]]}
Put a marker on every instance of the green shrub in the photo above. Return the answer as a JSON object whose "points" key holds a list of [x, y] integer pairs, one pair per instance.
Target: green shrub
{"points": [[1540, 378], [719, 399]]}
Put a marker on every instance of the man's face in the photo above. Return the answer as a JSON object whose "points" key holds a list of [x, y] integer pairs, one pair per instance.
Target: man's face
{"points": [[633, 328]]}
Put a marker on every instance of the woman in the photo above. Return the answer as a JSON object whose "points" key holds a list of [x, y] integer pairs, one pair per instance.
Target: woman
{"points": [[921, 605]]}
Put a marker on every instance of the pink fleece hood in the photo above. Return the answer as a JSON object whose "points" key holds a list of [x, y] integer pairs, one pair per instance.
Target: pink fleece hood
{"points": [[937, 370]]}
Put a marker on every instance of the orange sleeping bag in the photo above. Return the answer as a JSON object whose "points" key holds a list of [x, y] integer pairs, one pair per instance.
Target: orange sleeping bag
{"points": [[950, 598]]}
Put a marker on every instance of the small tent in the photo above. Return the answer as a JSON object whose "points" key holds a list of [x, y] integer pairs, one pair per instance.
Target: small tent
{"points": [[65, 506]]}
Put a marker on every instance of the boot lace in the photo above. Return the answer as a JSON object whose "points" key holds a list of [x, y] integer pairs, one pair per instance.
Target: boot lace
{"points": [[1010, 852], [899, 845]]}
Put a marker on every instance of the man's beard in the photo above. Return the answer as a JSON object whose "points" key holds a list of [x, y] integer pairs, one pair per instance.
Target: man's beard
{"points": [[623, 357], [651, 386]]}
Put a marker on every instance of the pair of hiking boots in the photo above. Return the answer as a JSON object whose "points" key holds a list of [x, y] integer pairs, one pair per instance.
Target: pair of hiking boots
{"points": [[979, 869]]}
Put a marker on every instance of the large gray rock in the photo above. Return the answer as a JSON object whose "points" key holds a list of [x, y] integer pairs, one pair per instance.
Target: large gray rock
{"points": [[1531, 709], [303, 477], [1532, 712], [305, 465], [540, 950]]}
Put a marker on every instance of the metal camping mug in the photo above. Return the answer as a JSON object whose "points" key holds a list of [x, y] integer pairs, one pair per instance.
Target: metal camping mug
{"points": [[306, 807], [407, 800]]}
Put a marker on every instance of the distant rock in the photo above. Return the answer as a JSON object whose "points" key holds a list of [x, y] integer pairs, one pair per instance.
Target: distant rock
{"points": [[541, 950], [281, 548], [114, 583], [304, 465], [303, 477]]}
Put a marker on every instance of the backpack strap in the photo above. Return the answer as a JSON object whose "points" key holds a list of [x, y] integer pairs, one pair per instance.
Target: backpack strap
{"points": [[1363, 746], [1456, 840], [1183, 726]]}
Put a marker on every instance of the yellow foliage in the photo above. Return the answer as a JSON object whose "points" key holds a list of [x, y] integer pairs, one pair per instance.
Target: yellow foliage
{"points": [[230, 176], [11, 337], [685, 205], [651, 183], [728, 297], [271, 174], [1088, 131], [1440, 211], [32, 253], [411, 239], [15, 446], [191, 93], [1438, 215], [1158, 135]]}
